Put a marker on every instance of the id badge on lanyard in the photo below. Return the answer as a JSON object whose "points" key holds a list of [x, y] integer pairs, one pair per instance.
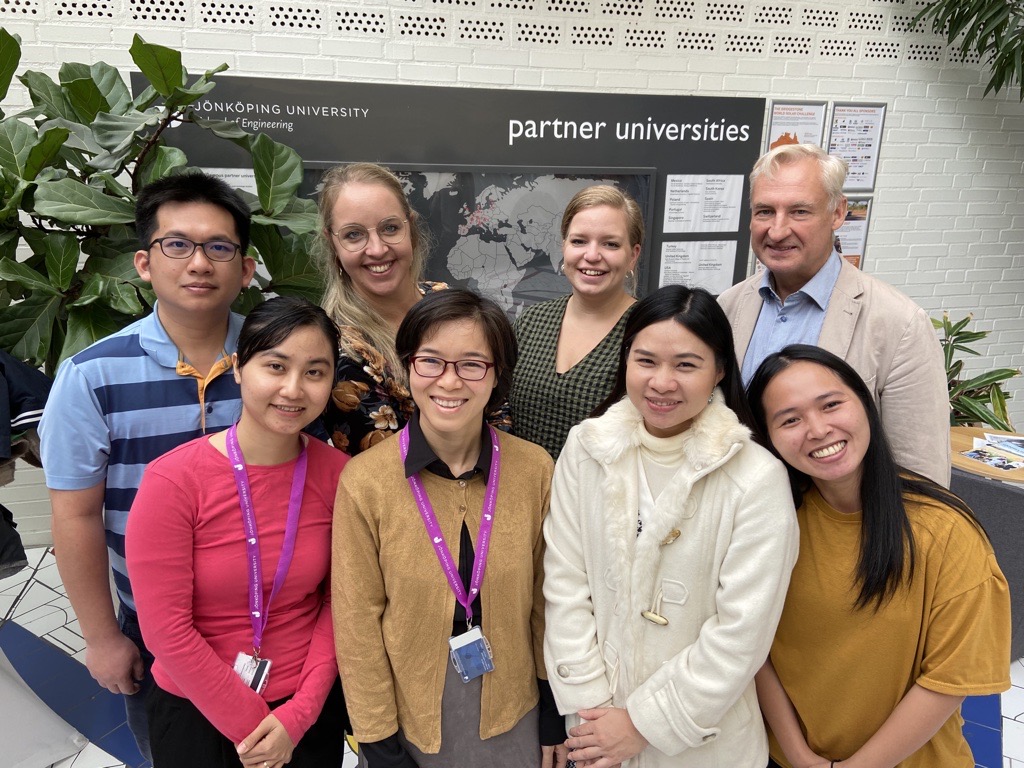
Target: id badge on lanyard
{"points": [[251, 667], [470, 652]]}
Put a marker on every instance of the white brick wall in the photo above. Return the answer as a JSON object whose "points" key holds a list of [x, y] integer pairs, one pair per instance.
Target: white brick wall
{"points": [[948, 219]]}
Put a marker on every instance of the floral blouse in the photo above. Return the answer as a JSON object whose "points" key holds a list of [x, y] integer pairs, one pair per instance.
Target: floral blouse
{"points": [[370, 403]]}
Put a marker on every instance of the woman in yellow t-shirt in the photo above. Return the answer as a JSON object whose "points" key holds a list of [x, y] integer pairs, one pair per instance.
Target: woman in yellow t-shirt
{"points": [[897, 608]]}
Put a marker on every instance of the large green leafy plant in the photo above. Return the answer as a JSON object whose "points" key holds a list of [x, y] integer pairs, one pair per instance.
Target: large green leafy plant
{"points": [[70, 168], [979, 399]]}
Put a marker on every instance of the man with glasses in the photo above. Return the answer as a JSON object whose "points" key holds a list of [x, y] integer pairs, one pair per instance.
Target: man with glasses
{"points": [[135, 395]]}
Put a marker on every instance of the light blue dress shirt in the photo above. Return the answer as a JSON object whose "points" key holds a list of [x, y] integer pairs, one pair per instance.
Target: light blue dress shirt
{"points": [[797, 320]]}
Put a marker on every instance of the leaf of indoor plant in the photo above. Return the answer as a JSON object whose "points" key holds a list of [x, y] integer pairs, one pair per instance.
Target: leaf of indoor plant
{"points": [[160, 65], [62, 254], [25, 276], [44, 151], [69, 201], [278, 171], [10, 57], [162, 161], [16, 141], [47, 95], [26, 327], [88, 324]]}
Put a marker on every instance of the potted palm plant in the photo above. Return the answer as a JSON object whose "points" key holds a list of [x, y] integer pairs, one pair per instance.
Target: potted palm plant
{"points": [[980, 399]]}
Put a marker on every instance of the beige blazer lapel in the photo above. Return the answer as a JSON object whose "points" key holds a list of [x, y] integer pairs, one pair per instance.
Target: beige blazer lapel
{"points": [[843, 310], [748, 307]]}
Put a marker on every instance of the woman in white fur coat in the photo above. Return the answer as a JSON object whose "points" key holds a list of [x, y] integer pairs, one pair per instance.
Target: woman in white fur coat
{"points": [[670, 542]]}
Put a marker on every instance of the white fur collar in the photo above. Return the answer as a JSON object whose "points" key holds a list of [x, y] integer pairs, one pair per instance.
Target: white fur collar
{"points": [[713, 434]]}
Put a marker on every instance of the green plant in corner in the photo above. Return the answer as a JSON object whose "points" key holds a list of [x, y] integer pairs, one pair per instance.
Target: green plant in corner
{"points": [[994, 29], [70, 168], [980, 399]]}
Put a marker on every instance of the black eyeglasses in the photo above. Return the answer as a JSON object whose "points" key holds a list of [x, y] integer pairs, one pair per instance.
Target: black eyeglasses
{"points": [[354, 237], [174, 247], [431, 367]]}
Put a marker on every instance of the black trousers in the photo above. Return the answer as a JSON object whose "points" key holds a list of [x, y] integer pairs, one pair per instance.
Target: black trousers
{"points": [[181, 737], [773, 764]]}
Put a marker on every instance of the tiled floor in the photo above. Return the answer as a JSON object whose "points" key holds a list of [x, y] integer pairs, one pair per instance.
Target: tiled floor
{"points": [[1013, 718], [35, 602]]}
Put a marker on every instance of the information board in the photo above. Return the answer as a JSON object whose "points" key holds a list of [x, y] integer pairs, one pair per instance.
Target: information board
{"points": [[485, 146]]}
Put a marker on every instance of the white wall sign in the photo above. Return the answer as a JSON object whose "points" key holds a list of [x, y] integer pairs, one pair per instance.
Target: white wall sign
{"points": [[698, 264], [699, 203]]}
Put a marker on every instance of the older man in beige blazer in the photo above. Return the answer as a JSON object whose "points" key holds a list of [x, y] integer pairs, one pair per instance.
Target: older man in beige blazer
{"points": [[808, 294]]}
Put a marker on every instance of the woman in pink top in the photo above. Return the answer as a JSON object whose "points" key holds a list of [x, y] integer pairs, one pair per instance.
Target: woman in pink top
{"points": [[228, 545]]}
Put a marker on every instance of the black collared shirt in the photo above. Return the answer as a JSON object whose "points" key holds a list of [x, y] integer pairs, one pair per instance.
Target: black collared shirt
{"points": [[422, 457]]}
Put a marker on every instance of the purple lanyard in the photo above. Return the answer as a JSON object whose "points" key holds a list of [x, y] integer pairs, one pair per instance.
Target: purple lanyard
{"points": [[483, 539], [258, 612]]}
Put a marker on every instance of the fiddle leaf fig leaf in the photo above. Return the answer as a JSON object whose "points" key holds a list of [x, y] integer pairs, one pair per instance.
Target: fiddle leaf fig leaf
{"points": [[224, 129], [117, 294], [44, 151], [13, 201], [48, 96], [296, 221], [69, 201], [113, 186], [62, 254], [8, 250], [71, 71], [146, 99], [160, 65], [26, 326], [114, 132], [88, 324], [16, 142], [278, 171], [10, 57], [25, 276], [162, 161], [112, 86], [85, 98], [182, 97], [247, 300], [80, 138]]}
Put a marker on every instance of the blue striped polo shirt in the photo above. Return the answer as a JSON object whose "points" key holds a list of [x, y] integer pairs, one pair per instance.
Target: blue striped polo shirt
{"points": [[119, 404]]}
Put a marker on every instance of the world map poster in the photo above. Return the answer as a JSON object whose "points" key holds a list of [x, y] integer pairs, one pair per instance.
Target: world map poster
{"points": [[499, 232]]}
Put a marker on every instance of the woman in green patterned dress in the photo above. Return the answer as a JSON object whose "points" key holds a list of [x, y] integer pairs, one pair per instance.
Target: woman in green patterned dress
{"points": [[568, 347]]}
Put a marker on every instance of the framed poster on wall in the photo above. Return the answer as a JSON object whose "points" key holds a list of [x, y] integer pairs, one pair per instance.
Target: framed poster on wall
{"points": [[852, 235], [856, 136], [795, 122]]}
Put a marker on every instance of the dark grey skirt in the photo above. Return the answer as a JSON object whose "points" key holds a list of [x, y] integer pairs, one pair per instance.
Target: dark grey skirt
{"points": [[460, 733]]}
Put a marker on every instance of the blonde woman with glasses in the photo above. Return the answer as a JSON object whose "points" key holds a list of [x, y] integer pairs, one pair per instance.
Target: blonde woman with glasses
{"points": [[371, 254]]}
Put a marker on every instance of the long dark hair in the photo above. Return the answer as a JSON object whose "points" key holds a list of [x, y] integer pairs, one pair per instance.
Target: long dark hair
{"points": [[887, 548], [696, 310]]}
